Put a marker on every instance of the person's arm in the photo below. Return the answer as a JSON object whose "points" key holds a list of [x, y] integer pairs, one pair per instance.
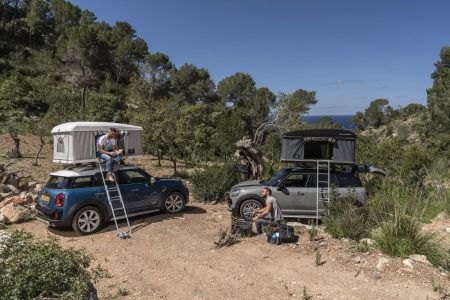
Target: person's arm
{"points": [[264, 211]]}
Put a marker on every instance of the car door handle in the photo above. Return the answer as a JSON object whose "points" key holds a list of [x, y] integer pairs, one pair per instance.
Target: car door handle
{"points": [[300, 193]]}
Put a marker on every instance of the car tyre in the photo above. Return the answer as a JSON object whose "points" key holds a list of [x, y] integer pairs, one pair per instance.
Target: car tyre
{"points": [[174, 203], [248, 207], [87, 220]]}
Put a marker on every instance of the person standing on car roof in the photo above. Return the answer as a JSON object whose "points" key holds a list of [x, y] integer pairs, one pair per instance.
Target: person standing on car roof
{"points": [[269, 214], [107, 147]]}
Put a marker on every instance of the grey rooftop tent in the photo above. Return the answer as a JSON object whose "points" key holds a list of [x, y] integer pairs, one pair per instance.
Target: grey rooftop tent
{"points": [[334, 145], [75, 142]]}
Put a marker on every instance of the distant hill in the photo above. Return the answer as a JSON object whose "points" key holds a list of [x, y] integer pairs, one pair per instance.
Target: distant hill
{"points": [[344, 120]]}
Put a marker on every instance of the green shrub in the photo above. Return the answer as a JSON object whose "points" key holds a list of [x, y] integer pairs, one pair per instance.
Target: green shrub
{"points": [[213, 183], [32, 269], [397, 213], [345, 220]]}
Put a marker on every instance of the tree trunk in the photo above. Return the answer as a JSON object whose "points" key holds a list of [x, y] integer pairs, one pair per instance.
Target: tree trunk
{"points": [[248, 152], [40, 149], [174, 161], [16, 150], [83, 99], [159, 157]]}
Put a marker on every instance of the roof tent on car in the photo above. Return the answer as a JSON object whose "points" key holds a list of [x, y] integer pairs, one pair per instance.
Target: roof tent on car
{"points": [[334, 145], [76, 142]]}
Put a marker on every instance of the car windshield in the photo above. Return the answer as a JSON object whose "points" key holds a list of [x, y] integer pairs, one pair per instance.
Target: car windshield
{"points": [[275, 179], [57, 182]]}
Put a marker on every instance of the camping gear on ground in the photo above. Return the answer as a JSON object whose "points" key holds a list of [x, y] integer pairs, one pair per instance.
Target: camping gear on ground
{"points": [[241, 226], [76, 142], [281, 233], [334, 145]]}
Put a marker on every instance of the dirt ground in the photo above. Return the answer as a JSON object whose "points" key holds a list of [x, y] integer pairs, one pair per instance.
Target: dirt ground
{"points": [[174, 257]]}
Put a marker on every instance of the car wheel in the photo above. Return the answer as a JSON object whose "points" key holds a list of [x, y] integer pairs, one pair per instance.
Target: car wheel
{"points": [[174, 203], [87, 220], [248, 207]]}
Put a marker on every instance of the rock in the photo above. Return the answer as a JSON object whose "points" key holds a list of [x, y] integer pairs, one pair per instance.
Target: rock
{"points": [[368, 241], [323, 244], [37, 188], [14, 199], [29, 198], [15, 213], [12, 189], [23, 195], [381, 263], [442, 216], [357, 259], [4, 188], [447, 229], [31, 185], [420, 258], [405, 270], [376, 275], [408, 263], [22, 185], [2, 226], [5, 195], [4, 235], [2, 219], [35, 198]]}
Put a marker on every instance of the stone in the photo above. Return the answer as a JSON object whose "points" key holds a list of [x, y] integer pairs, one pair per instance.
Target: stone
{"points": [[381, 263], [4, 235], [408, 263], [368, 241], [5, 195], [376, 275], [442, 216], [405, 270], [447, 229], [14, 199], [2, 219], [15, 213], [357, 259], [420, 258], [12, 189], [22, 185], [29, 198], [37, 188], [23, 195], [31, 185]]}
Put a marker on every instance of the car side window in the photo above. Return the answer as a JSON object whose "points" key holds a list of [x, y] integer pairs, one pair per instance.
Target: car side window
{"points": [[132, 176], [83, 182], [323, 180], [296, 180], [348, 180]]}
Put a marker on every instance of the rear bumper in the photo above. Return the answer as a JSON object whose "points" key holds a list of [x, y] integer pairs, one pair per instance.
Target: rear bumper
{"points": [[44, 215]]}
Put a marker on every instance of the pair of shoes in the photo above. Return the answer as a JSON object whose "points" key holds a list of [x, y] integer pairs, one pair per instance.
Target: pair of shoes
{"points": [[111, 178]]}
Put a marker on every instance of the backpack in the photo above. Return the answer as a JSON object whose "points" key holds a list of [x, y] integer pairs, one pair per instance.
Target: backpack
{"points": [[281, 233]]}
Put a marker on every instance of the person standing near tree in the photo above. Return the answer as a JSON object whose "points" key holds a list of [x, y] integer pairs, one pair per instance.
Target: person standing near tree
{"points": [[107, 147], [269, 214]]}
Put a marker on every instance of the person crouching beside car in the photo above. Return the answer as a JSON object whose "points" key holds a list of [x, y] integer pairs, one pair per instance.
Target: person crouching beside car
{"points": [[107, 147], [269, 214]]}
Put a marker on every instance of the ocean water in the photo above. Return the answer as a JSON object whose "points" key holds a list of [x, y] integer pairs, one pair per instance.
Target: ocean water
{"points": [[344, 120]]}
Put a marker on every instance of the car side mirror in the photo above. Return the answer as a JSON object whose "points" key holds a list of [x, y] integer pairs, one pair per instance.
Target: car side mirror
{"points": [[280, 187], [152, 180]]}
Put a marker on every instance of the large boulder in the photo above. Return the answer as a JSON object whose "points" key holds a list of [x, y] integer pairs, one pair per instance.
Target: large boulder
{"points": [[15, 213], [14, 199]]}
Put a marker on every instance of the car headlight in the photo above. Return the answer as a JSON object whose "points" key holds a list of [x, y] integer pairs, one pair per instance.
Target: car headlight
{"points": [[183, 183], [235, 192]]}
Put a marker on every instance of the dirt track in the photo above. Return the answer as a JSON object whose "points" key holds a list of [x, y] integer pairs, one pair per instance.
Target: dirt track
{"points": [[174, 257]]}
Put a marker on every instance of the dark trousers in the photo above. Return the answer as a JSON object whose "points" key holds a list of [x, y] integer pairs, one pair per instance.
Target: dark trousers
{"points": [[260, 222]]}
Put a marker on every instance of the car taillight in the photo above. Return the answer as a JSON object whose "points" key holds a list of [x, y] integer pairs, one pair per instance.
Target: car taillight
{"points": [[59, 200]]}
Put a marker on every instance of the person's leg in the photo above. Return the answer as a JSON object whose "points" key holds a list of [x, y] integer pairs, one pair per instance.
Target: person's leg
{"points": [[108, 160], [259, 223], [114, 161]]}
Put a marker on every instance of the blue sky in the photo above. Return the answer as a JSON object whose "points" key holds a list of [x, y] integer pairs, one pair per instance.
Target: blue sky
{"points": [[350, 52]]}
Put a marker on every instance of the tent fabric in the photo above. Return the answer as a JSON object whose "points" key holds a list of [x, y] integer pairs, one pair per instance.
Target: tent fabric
{"points": [[79, 146], [342, 143]]}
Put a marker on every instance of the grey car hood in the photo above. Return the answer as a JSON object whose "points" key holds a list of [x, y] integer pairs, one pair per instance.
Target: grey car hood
{"points": [[247, 183]]}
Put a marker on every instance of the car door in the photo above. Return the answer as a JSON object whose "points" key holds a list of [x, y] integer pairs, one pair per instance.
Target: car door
{"points": [[137, 190], [101, 194], [291, 194], [317, 197]]}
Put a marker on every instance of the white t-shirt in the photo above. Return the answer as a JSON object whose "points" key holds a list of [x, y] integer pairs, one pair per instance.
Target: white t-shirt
{"points": [[106, 143]]}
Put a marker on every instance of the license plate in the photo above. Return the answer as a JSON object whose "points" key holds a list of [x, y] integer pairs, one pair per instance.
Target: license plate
{"points": [[45, 198]]}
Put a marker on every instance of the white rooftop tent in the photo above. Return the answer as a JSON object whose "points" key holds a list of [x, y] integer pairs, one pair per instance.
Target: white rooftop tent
{"points": [[75, 142]]}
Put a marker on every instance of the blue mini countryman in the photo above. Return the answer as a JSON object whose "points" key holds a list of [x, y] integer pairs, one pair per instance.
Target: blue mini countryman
{"points": [[76, 197]]}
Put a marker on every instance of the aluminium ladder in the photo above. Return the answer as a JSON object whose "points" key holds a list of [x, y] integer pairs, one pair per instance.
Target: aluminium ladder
{"points": [[115, 196], [322, 192]]}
